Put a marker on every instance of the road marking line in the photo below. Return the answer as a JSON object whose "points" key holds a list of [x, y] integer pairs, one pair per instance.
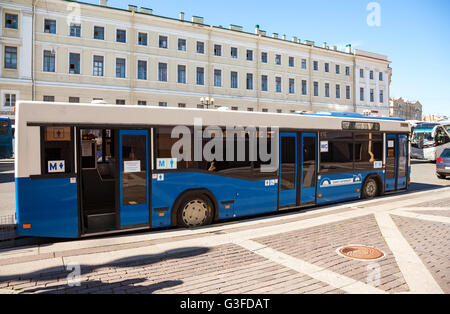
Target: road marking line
{"points": [[433, 218], [329, 277], [414, 271]]}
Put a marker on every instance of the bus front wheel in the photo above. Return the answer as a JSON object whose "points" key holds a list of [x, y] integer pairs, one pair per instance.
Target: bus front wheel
{"points": [[195, 210], [370, 188]]}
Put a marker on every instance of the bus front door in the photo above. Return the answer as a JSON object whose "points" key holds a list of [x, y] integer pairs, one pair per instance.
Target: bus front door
{"points": [[288, 170], [391, 163], [309, 168], [134, 177]]}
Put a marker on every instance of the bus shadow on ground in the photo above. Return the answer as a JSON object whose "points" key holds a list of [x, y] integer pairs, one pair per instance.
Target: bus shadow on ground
{"points": [[68, 279], [6, 177], [420, 187]]}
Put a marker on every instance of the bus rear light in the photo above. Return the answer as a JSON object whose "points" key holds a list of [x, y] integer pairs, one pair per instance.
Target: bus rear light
{"points": [[161, 214], [227, 206], [357, 190], [26, 226], [439, 160]]}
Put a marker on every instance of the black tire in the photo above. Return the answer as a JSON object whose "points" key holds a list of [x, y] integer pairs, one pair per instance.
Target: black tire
{"points": [[195, 210], [370, 188]]}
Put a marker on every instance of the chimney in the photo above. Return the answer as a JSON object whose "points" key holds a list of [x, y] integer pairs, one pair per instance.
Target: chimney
{"points": [[146, 11], [103, 3], [348, 48], [236, 28], [132, 8], [275, 35], [324, 45], [294, 39], [284, 37], [182, 16], [256, 29], [197, 19], [334, 48]]}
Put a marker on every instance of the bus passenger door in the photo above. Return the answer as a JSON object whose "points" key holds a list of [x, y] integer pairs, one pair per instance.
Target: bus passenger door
{"points": [[391, 163], [402, 162], [288, 170], [134, 174], [309, 168]]}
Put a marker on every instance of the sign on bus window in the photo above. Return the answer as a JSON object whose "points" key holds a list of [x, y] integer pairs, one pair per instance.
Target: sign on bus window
{"points": [[58, 150]]}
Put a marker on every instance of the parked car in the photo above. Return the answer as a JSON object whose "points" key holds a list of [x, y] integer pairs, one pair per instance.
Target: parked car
{"points": [[443, 164]]}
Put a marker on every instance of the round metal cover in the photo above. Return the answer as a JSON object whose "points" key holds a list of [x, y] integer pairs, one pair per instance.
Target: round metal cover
{"points": [[360, 252]]}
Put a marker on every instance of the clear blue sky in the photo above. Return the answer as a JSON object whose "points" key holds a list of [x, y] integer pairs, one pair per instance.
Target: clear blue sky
{"points": [[414, 34]]}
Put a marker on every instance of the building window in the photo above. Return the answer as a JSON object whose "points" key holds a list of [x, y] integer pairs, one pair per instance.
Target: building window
{"points": [[75, 30], [304, 87], [142, 103], [11, 21], [327, 90], [234, 108], [49, 61], [98, 66], [304, 64], [234, 53], [380, 76], [200, 76], [182, 74], [347, 71], [99, 32], [249, 81], [250, 109], [371, 75], [291, 61], [372, 95], [121, 36], [265, 110], [278, 84], [217, 78], [49, 98], [74, 63], [120, 68], [181, 44], [291, 86], [347, 92], [361, 94], [316, 65], [234, 80], [200, 47], [162, 104], [180, 105], [338, 69], [264, 85], [249, 55], [338, 91], [10, 57], [10, 100], [264, 57], [200, 106], [162, 72], [120, 101], [278, 59], [142, 39], [217, 50], [163, 42], [142, 70], [327, 67], [381, 96], [279, 111], [316, 88], [74, 100], [361, 73], [50, 26]]}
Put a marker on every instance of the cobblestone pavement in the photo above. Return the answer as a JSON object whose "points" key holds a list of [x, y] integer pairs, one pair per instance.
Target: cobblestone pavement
{"points": [[293, 252]]}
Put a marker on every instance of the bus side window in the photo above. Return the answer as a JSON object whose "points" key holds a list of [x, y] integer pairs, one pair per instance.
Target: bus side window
{"points": [[57, 150]]}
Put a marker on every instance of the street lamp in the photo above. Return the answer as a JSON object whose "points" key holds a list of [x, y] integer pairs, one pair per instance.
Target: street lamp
{"points": [[206, 101]]}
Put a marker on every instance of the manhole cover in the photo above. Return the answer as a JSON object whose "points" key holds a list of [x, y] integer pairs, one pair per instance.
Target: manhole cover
{"points": [[360, 252]]}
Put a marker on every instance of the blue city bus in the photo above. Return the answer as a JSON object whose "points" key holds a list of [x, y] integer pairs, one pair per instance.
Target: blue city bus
{"points": [[6, 138], [90, 169]]}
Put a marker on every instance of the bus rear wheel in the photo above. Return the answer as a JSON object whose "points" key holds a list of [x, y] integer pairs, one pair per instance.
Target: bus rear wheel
{"points": [[370, 188], [196, 210]]}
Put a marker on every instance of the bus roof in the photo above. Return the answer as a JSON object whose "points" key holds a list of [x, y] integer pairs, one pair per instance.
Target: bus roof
{"points": [[351, 115], [44, 113]]}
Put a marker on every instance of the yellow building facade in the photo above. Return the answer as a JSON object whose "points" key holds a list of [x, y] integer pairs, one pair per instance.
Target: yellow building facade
{"points": [[64, 51]]}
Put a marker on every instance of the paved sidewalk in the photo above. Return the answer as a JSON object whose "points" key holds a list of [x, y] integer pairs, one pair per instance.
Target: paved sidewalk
{"points": [[291, 252]]}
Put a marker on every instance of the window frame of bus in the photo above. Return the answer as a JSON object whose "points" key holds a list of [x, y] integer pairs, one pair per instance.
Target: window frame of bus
{"points": [[68, 162], [194, 165]]}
